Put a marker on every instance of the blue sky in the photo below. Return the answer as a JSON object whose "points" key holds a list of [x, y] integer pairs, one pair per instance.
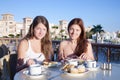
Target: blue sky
{"points": [[93, 12]]}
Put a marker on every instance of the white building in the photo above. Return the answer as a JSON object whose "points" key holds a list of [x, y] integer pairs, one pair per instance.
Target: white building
{"points": [[7, 25]]}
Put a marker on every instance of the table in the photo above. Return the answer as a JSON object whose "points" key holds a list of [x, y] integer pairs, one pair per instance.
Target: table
{"points": [[56, 74]]}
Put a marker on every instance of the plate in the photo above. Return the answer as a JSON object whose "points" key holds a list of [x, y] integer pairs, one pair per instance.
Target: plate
{"points": [[53, 64], [93, 69], [26, 72], [73, 74]]}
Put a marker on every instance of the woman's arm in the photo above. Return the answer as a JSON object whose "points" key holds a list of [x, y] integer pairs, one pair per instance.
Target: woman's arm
{"points": [[22, 48], [61, 55], [89, 54], [90, 51], [22, 62]]}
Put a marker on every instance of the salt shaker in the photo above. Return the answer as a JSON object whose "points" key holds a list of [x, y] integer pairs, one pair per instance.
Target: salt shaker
{"points": [[109, 66], [104, 66]]}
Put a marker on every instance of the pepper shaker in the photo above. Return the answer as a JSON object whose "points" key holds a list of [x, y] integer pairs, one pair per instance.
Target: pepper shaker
{"points": [[104, 66], [109, 66]]}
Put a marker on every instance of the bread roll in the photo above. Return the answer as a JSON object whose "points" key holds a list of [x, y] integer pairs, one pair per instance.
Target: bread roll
{"points": [[81, 68], [74, 70], [67, 67]]}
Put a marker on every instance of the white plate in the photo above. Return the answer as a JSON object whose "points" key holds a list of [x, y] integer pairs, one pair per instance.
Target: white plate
{"points": [[79, 74], [92, 69], [56, 64], [26, 72]]}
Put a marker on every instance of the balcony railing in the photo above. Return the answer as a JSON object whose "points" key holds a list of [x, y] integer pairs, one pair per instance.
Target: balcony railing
{"points": [[108, 49]]}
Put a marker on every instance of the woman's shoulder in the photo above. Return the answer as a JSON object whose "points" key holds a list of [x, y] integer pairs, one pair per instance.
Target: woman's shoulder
{"points": [[24, 42], [64, 42], [88, 43]]}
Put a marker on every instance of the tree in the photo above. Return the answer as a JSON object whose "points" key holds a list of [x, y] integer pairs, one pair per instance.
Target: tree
{"points": [[97, 29], [61, 32], [55, 27], [17, 35], [11, 35], [54, 31], [118, 35], [89, 35]]}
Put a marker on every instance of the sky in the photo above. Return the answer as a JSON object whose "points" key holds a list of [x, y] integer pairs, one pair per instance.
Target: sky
{"points": [[93, 12]]}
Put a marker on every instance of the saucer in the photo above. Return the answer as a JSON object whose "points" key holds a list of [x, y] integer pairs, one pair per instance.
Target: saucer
{"points": [[76, 74]]}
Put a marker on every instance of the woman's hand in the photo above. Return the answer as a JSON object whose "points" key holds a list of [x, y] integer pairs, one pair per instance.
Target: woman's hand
{"points": [[84, 56], [72, 56], [30, 62]]}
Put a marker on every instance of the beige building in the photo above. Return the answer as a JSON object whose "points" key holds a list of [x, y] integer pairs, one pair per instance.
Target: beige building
{"points": [[9, 26], [63, 24], [26, 24]]}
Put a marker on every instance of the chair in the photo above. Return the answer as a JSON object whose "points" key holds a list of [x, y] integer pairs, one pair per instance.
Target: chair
{"points": [[1, 52], [55, 49], [4, 67], [7, 63], [5, 49], [12, 65]]}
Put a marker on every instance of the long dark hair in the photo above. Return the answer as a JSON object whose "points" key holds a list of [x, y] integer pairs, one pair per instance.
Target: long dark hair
{"points": [[81, 41], [46, 43]]}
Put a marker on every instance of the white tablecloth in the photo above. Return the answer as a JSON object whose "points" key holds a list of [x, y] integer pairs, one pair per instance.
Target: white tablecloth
{"points": [[56, 74]]}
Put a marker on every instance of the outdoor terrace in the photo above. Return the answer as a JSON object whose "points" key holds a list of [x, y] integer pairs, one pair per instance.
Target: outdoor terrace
{"points": [[103, 52]]}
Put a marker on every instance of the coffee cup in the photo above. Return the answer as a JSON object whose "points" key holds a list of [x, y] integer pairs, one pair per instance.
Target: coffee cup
{"points": [[35, 69], [73, 62], [91, 63]]}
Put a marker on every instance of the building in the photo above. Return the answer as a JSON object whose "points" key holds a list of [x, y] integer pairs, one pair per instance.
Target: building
{"points": [[9, 26], [26, 24], [63, 28]]}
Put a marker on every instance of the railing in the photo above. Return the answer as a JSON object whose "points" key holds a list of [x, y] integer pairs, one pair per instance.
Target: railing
{"points": [[96, 47], [9, 40], [109, 49]]}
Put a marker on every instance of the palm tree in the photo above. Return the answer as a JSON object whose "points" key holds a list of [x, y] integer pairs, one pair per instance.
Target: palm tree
{"points": [[97, 29], [61, 32], [118, 35], [55, 27], [89, 35], [54, 32]]}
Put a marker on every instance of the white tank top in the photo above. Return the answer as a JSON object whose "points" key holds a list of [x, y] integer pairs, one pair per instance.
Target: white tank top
{"points": [[30, 54]]}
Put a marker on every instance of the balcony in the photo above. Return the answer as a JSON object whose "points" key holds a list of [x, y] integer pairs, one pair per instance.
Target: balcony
{"points": [[102, 52]]}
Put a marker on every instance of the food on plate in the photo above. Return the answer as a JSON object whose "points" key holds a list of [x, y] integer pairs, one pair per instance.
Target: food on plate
{"points": [[80, 61], [73, 69], [81, 68], [50, 64], [67, 67], [45, 63]]}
